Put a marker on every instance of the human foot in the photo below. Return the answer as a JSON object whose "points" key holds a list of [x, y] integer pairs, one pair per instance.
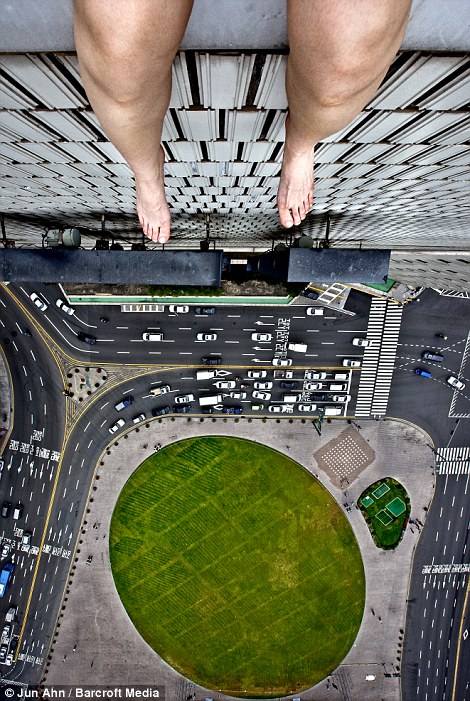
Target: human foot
{"points": [[151, 204], [295, 193]]}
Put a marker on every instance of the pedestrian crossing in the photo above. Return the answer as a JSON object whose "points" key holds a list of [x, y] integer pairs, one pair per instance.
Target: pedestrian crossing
{"points": [[379, 358], [142, 307], [334, 291], [453, 461]]}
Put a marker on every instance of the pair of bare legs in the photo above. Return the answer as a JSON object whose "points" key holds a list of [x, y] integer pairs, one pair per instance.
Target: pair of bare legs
{"points": [[340, 51]]}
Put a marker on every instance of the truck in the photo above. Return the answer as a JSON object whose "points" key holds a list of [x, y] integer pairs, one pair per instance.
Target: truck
{"points": [[11, 614], [211, 400], [158, 391], [297, 347], [5, 574], [205, 374]]}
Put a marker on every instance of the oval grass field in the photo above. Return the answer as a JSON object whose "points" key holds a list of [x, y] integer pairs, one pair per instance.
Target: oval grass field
{"points": [[237, 566]]}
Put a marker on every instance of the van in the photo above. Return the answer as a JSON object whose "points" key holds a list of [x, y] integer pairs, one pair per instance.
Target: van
{"points": [[431, 355], [341, 376], [297, 347], [18, 511], [205, 374], [338, 388], [211, 400], [290, 398], [333, 410], [126, 401], [152, 336]]}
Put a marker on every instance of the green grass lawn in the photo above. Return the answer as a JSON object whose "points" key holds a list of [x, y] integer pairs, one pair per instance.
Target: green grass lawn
{"points": [[237, 566], [386, 529]]}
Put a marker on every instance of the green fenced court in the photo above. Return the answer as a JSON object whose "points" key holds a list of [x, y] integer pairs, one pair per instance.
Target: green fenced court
{"points": [[384, 518], [367, 501], [380, 491], [385, 522], [396, 507]]}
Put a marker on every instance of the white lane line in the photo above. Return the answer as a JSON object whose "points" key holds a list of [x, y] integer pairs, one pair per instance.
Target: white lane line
{"points": [[185, 353], [101, 425], [40, 380], [155, 352], [327, 343], [122, 327], [313, 330], [187, 328], [122, 352], [86, 426], [32, 418], [233, 316], [45, 410], [34, 358], [24, 370], [30, 396], [102, 407], [231, 341], [90, 443], [76, 447]]}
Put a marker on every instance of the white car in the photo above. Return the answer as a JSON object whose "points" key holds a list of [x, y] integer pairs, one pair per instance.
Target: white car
{"points": [[314, 311], [263, 385], [5, 549], [26, 541], [264, 396], [311, 386], [6, 633], [281, 408], [64, 307], [225, 384], [254, 374], [362, 342], [9, 659], [178, 308], [158, 391], [238, 395], [116, 426], [314, 375], [206, 337], [351, 363], [38, 302], [184, 398], [282, 362], [307, 407], [341, 398], [261, 337], [455, 382], [138, 419]]}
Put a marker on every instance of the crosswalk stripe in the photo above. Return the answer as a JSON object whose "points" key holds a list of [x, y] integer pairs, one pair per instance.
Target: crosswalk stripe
{"points": [[453, 461]]}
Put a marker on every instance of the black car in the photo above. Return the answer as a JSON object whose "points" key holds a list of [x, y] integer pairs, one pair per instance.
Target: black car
{"points": [[204, 311], [209, 360], [86, 338], [207, 410], [232, 410], [6, 508], [181, 408], [161, 411], [320, 397], [311, 294], [289, 384]]}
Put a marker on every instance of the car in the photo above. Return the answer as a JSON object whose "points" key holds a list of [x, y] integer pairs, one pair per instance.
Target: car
{"points": [[263, 337], [314, 311], [422, 372], [18, 510], [289, 384], [204, 311], [161, 411], [137, 419], [264, 396], [206, 410], [184, 398], [257, 407], [312, 386], [362, 342], [64, 307], [152, 336], [181, 408], [237, 395], [6, 549], [321, 397], [432, 356], [280, 408], [263, 385], [232, 410], [283, 374], [351, 363], [255, 374], [158, 391], [315, 375], [282, 362], [6, 509], [3, 652], [116, 426], [206, 336], [6, 633], [9, 659], [208, 360], [225, 384], [38, 302], [455, 382], [311, 294], [26, 541], [86, 338], [178, 309], [125, 402], [307, 407], [341, 398], [26, 332]]}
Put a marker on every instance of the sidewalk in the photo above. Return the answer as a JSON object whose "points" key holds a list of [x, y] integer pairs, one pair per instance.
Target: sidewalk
{"points": [[96, 642], [5, 401]]}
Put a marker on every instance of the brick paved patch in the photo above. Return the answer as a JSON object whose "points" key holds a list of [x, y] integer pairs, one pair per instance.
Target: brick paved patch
{"points": [[345, 457]]}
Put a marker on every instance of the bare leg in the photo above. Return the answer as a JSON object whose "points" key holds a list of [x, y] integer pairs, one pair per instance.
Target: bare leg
{"points": [[126, 50], [340, 51]]}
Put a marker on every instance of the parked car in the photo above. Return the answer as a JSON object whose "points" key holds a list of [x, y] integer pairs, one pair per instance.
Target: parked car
{"points": [[184, 398], [351, 363], [178, 308], [204, 311], [161, 411], [125, 402], [26, 541], [225, 384], [314, 311], [232, 410], [341, 398], [40, 304], [18, 510], [263, 385], [422, 372], [86, 338], [289, 384], [6, 509], [321, 397], [6, 549], [158, 391], [455, 382], [209, 360], [263, 337], [282, 362], [264, 396], [206, 410], [307, 407], [237, 395], [138, 419], [181, 408], [311, 294], [206, 336], [312, 386], [255, 374], [3, 652], [362, 342], [280, 408], [9, 659], [6, 633], [116, 426], [315, 375], [64, 307], [257, 407], [283, 374]]}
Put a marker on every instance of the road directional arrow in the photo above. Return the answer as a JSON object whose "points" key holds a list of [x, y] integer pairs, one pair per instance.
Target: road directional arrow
{"points": [[264, 323], [266, 348]]}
